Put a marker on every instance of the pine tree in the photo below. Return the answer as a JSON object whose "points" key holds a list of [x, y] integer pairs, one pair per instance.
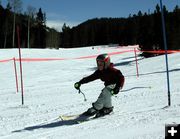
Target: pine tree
{"points": [[40, 17]]}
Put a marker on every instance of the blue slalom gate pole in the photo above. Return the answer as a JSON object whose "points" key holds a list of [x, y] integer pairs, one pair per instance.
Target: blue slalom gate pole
{"points": [[165, 47]]}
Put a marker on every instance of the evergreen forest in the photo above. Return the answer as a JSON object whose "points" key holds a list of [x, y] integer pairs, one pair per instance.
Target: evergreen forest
{"points": [[144, 29]]}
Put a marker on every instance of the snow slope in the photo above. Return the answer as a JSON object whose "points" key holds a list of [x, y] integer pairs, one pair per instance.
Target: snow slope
{"points": [[140, 111]]}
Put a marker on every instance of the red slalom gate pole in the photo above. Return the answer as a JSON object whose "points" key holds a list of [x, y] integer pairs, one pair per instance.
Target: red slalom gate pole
{"points": [[136, 62], [15, 72], [22, 91]]}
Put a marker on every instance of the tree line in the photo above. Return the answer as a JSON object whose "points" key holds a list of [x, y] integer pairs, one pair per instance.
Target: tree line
{"points": [[144, 29], [32, 24]]}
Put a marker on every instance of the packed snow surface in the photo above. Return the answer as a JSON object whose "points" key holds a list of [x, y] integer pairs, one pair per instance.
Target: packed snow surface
{"points": [[140, 110]]}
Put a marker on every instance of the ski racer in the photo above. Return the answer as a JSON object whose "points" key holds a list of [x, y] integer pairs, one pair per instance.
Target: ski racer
{"points": [[113, 80]]}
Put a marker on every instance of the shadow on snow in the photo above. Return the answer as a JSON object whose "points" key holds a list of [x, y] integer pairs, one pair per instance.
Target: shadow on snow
{"points": [[135, 88], [57, 123], [156, 72], [130, 62]]}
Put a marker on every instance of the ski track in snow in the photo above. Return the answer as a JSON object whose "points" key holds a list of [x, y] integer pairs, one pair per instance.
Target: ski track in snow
{"points": [[140, 111]]}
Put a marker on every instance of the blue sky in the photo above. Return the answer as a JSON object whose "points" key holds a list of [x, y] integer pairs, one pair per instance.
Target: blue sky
{"points": [[73, 12]]}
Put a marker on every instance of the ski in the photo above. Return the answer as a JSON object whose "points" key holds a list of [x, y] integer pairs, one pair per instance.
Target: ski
{"points": [[77, 118], [68, 117], [80, 118]]}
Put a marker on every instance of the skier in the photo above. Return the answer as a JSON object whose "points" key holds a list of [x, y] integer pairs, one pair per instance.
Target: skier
{"points": [[113, 81]]}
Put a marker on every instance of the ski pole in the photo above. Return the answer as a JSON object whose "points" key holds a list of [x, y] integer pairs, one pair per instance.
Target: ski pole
{"points": [[83, 94]]}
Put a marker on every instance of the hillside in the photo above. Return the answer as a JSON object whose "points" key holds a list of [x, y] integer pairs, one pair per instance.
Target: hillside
{"points": [[140, 110]]}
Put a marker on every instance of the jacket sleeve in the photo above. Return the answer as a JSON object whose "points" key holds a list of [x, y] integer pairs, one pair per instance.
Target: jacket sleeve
{"points": [[90, 78], [120, 80]]}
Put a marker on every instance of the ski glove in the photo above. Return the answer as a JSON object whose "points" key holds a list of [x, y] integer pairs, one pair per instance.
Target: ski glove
{"points": [[115, 91], [77, 85]]}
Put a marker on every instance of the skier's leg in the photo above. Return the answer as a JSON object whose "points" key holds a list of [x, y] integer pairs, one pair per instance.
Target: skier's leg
{"points": [[104, 99], [96, 106], [103, 102]]}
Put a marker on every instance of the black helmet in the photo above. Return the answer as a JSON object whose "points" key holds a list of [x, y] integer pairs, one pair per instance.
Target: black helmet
{"points": [[104, 58]]}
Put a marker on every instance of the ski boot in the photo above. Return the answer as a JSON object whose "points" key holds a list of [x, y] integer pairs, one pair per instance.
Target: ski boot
{"points": [[104, 111], [90, 112]]}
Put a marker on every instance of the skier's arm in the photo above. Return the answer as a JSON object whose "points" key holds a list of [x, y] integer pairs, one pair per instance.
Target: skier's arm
{"points": [[121, 80], [90, 78], [119, 83]]}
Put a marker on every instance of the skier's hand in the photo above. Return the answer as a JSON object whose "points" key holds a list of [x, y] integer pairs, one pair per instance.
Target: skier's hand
{"points": [[115, 91], [77, 85]]}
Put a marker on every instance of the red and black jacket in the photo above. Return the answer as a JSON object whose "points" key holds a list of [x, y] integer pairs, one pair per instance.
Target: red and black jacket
{"points": [[109, 76]]}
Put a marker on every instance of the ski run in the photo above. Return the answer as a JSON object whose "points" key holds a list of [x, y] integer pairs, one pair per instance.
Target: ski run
{"points": [[140, 109]]}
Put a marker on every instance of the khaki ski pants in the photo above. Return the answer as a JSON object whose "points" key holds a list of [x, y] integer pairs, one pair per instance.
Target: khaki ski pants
{"points": [[104, 99]]}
